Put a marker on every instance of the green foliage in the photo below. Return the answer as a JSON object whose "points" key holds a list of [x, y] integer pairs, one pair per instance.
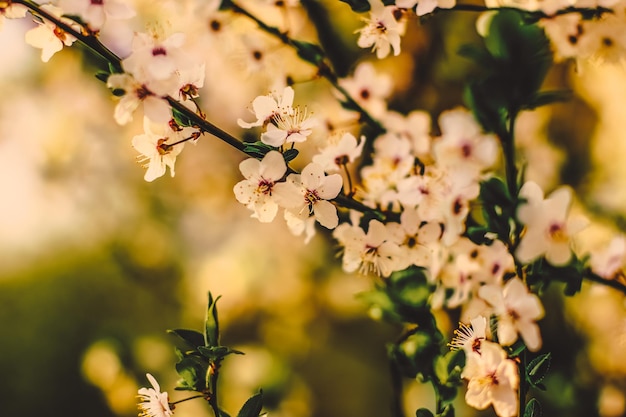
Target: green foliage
{"points": [[541, 273], [423, 412], [252, 407], [533, 408], [257, 149], [309, 52], [202, 353], [181, 118], [211, 324], [498, 208], [290, 154], [537, 370], [515, 60], [403, 298]]}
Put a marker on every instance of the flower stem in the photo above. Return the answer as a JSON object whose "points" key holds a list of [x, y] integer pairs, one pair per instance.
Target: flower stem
{"points": [[186, 399]]}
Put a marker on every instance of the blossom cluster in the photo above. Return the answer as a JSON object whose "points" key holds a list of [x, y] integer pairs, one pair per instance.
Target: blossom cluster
{"points": [[420, 179]]}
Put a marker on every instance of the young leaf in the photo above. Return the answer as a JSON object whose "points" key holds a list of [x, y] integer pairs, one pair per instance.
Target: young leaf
{"points": [[423, 412], [252, 407], [533, 408], [191, 337], [538, 368], [211, 324]]}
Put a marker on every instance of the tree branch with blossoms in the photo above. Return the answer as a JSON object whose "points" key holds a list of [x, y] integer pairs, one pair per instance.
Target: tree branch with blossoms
{"points": [[433, 219]]}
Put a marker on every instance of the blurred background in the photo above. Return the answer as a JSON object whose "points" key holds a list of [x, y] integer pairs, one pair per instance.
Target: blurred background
{"points": [[96, 264]]}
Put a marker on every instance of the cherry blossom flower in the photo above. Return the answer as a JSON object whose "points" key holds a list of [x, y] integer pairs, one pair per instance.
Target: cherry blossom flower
{"points": [[416, 238], [135, 93], [374, 251], [609, 262], [462, 143], [415, 126], [382, 31], [307, 194], [158, 148], [288, 127], [493, 380], [11, 11], [425, 6], [191, 80], [155, 59], [48, 36], [267, 106], [96, 13], [338, 153], [256, 192], [517, 310], [368, 88], [548, 229], [154, 403], [470, 338]]}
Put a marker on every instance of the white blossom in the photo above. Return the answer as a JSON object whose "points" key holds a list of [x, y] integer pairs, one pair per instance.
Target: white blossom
{"points": [[154, 403]]}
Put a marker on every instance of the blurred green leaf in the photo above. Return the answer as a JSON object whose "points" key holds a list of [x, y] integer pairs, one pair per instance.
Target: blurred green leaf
{"points": [[252, 407], [310, 52], [544, 98], [533, 408], [423, 412]]}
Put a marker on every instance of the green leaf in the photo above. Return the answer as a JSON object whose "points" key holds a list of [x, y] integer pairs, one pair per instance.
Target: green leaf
{"points": [[217, 353], [211, 323], [181, 118], [533, 408], [544, 98], [424, 412], [451, 363], [103, 76], [358, 6], [538, 368], [310, 52], [448, 411], [192, 371], [257, 149], [252, 407], [290, 154], [191, 337]]}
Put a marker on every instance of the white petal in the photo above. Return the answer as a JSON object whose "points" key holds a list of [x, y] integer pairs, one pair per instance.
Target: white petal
{"points": [[326, 214]]}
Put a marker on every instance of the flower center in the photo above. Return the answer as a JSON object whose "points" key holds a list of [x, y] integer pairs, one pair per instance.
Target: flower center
{"points": [[265, 187]]}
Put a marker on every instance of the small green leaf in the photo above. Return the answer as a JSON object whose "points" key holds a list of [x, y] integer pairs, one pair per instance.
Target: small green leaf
{"points": [[448, 411], [257, 149], [290, 154], [538, 368], [211, 323], [181, 118], [424, 412], [190, 368], [191, 337], [533, 408], [217, 353], [310, 52], [544, 98], [103, 76], [252, 407]]}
